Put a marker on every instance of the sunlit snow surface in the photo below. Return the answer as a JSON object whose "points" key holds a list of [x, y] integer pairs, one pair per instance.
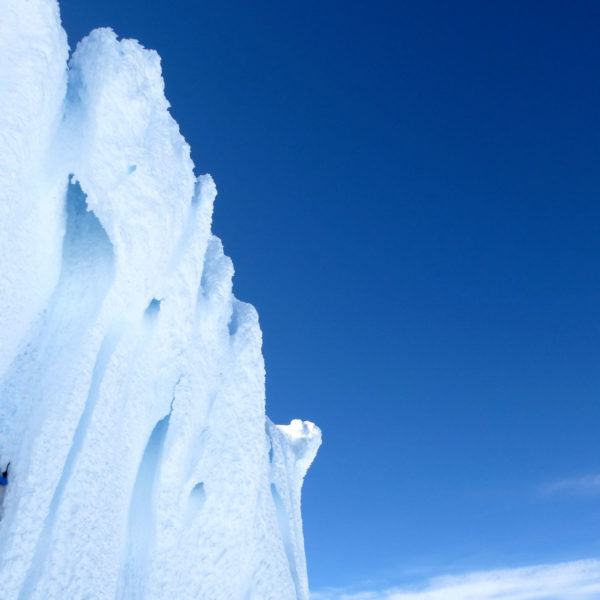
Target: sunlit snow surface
{"points": [[132, 399]]}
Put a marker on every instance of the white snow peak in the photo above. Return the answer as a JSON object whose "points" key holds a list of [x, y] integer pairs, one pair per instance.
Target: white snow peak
{"points": [[132, 395]]}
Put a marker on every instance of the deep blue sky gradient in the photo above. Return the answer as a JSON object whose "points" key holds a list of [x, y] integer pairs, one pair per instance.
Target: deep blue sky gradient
{"points": [[409, 192]]}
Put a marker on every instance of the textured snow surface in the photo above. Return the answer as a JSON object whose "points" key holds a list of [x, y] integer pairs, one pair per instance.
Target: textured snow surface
{"points": [[132, 396]]}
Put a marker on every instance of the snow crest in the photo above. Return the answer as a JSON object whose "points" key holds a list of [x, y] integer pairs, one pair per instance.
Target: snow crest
{"points": [[132, 398]]}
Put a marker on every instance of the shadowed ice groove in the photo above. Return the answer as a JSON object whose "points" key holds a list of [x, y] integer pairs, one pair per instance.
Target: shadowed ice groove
{"points": [[140, 524], [86, 275]]}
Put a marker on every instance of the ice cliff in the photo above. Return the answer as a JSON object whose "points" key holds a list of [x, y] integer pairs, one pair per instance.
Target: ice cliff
{"points": [[132, 394]]}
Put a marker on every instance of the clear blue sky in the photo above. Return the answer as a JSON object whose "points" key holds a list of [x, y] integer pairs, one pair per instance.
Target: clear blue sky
{"points": [[410, 195]]}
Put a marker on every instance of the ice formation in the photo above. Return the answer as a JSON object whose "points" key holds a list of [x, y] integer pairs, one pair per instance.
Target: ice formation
{"points": [[132, 398]]}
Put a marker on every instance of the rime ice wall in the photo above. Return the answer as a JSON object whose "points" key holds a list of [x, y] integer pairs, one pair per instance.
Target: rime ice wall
{"points": [[131, 379]]}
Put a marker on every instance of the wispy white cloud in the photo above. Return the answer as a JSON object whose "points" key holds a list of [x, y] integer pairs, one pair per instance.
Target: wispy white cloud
{"points": [[578, 580], [574, 486]]}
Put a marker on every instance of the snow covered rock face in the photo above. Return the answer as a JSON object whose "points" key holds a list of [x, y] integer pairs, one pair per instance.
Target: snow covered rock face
{"points": [[131, 380]]}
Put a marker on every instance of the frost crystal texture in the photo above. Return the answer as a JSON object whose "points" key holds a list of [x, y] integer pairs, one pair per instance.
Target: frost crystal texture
{"points": [[131, 379]]}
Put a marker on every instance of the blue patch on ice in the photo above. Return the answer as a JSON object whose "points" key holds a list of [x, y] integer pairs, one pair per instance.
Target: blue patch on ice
{"points": [[152, 309]]}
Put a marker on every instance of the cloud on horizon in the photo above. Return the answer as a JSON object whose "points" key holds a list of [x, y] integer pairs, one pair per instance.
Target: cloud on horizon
{"points": [[578, 580], [574, 486]]}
